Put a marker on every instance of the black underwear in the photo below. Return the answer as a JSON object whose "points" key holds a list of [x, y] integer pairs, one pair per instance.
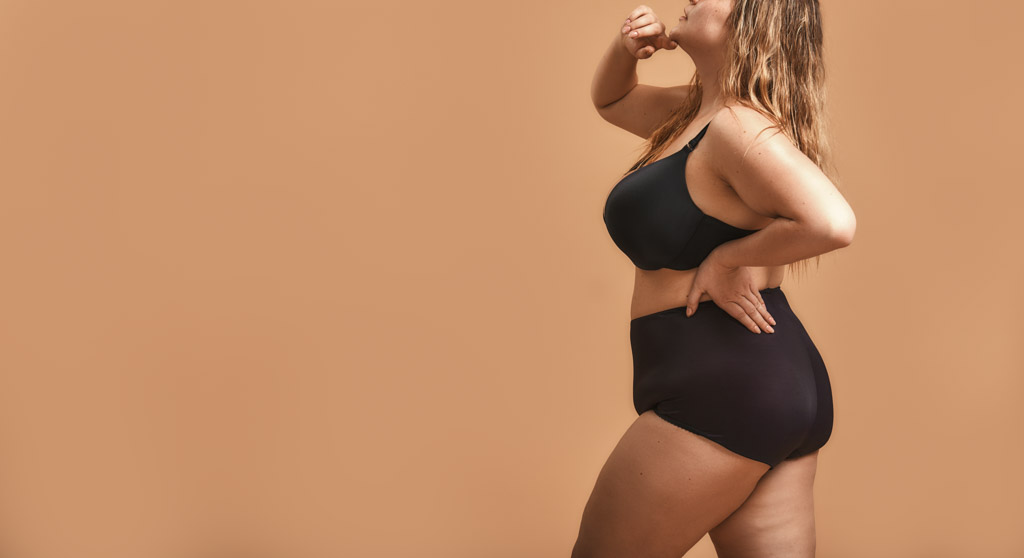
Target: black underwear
{"points": [[765, 396]]}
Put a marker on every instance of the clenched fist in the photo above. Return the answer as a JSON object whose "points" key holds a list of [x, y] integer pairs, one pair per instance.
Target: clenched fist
{"points": [[643, 33]]}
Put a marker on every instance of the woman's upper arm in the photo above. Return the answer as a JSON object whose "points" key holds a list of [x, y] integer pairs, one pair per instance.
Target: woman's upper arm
{"points": [[774, 177], [644, 108]]}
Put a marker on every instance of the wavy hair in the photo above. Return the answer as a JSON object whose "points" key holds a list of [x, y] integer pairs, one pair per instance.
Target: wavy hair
{"points": [[774, 64]]}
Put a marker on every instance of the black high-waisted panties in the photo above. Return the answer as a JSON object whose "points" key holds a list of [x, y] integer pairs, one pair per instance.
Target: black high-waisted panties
{"points": [[765, 396]]}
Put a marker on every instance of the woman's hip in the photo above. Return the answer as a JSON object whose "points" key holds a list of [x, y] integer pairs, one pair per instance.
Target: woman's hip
{"points": [[711, 355]]}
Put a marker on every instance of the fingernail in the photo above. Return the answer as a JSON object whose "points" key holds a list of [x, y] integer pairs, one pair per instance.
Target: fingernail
{"points": [[770, 330]]}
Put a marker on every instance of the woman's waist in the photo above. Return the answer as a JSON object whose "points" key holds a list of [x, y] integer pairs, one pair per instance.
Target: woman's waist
{"points": [[661, 289]]}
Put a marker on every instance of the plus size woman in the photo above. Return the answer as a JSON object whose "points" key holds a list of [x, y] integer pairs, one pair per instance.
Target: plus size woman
{"points": [[734, 186]]}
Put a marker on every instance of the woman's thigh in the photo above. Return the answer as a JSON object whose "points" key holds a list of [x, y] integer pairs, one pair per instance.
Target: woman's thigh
{"points": [[778, 517], [660, 491]]}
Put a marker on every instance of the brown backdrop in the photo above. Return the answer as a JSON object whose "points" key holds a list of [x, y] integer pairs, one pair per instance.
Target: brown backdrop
{"points": [[314, 279]]}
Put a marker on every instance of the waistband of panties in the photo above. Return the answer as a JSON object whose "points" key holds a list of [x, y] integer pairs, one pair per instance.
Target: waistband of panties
{"points": [[770, 291]]}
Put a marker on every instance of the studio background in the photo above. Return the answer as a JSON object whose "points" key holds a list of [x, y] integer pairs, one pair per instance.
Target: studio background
{"points": [[319, 279]]}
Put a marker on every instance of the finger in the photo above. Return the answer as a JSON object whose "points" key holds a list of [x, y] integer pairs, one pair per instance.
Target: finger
{"points": [[744, 302], [767, 318], [645, 52], [763, 309], [692, 300], [750, 312], [669, 44], [637, 12], [737, 312], [637, 23], [662, 41], [757, 295], [760, 320], [650, 30], [753, 309], [641, 27]]}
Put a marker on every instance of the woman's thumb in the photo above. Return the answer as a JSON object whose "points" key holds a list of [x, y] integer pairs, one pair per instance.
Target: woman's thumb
{"points": [[662, 41], [692, 299]]}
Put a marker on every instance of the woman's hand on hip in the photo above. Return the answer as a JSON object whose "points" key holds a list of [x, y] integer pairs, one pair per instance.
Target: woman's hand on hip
{"points": [[643, 33], [734, 290]]}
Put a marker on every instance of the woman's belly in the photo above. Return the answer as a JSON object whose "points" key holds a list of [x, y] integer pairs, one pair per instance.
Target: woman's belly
{"points": [[668, 288]]}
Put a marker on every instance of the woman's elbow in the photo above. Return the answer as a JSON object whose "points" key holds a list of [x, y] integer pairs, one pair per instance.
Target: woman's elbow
{"points": [[842, 228], [836, 230]]}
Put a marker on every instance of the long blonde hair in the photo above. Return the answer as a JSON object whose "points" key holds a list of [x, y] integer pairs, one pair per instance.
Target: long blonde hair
{"points": [[774, 64]]}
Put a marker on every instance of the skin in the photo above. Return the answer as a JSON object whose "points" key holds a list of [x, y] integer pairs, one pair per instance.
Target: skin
{"points": [[663, 488]]}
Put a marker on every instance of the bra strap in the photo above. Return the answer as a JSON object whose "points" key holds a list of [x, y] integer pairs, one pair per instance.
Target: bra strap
{"points": [[696, 139]]}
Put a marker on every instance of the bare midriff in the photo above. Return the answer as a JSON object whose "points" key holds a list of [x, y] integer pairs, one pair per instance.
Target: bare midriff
{"points": [[660, 289]]}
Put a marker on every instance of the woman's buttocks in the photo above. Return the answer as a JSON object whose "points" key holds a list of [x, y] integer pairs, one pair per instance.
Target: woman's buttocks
{"points": [[667, 288]]}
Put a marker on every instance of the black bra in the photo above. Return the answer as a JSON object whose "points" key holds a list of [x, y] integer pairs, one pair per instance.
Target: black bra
{"points": [[653, 220]]}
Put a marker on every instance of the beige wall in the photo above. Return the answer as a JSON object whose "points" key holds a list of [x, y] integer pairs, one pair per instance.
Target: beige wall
{"points": [[306, 279]]}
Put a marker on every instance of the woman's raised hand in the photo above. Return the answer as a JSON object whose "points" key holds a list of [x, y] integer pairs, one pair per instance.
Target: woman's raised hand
{"points": [[734, 290], [643, 33]]}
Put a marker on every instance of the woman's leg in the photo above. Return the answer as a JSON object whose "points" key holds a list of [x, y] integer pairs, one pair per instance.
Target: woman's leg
{"points": [[778, 517], [660, 491]]}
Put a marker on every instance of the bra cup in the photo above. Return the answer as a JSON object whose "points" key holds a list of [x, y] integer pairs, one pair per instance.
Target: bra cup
{"points": [[651, 217]]}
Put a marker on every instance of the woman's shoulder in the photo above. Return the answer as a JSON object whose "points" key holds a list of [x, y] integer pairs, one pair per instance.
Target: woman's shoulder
{"points": [[734, 129], [738, 118]]}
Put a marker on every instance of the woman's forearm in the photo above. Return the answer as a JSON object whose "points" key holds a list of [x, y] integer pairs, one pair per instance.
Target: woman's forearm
{"points": [[615, 74], [782, 242]]}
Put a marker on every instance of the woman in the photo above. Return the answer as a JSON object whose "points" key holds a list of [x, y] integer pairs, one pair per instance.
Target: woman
{"points": [[730, 419]]}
